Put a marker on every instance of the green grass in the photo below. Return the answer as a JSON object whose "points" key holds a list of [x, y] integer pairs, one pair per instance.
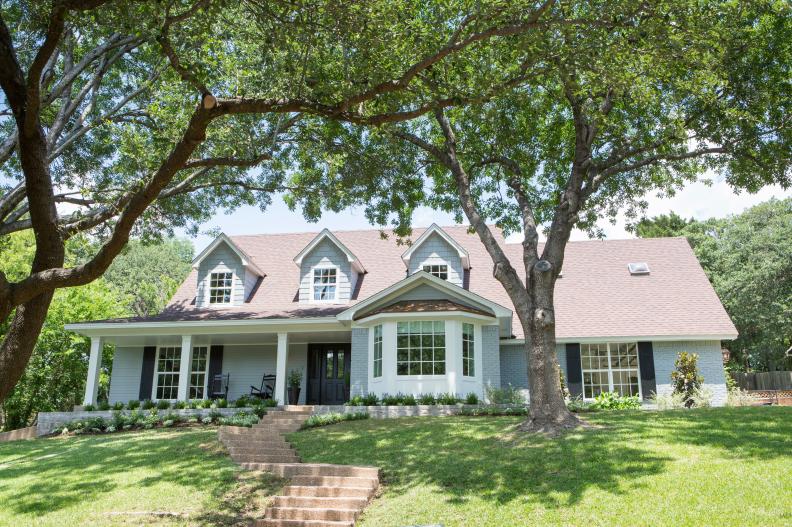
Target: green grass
{"points": [[88, 480], [702, 467]]}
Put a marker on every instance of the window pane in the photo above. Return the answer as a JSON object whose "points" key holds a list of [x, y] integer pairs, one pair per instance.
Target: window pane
{"points": [[415, 368], [340, 366], [402, 368], [329, 365], [420, 348], [401, 354]]}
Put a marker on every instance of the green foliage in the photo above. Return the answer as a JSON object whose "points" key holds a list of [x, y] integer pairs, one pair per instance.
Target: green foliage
{"points": [[662, 226], [221, 403], [294, 379], [670, 401], [686, 378], [89, 408], [472, 398], [246, 419], [447, 398], [741, 255], [333, 418], [504, 395], [133, 404], [578, 405], [147, 404], [614, 401], [163, 404], [491, 411], [427, 399], [369, 399]]}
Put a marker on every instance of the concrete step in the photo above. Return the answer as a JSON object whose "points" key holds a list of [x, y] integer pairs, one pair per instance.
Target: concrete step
{"points": [[334, 481], [327, 492], [309, 502], [301, 513], [265, 458], [273, 522], [301, 408], [261, 449], [317, 469]]}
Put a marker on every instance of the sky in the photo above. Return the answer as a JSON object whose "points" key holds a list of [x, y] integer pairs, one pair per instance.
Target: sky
{"points": [[696, 200]]}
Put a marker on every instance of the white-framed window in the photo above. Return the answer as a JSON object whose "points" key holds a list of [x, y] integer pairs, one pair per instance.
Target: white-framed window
{"points": [[440, 271], [468, 353], [198, 372], [166, 376], [221, 285], [378, 351], [420, 348], [325, 284], [610, 368]]}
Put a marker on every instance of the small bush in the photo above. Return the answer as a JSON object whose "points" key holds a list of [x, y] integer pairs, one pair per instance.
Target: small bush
{"points": [[89, 408], [447, 399], [485, 411], [668, 401], [221, 403], [148, 404], [407, 400], [180, 405], [578, 405], [260, 411], [702, 398], [426, 398], [215, 416], [614, 401], [205, 403], [162, 404], [356, 400], [118, 405], [504, 395], [686, 378], [370, 399], [240, 419], [390, 400], [133, 404], [738, 397], [471, 398], [104, 406], [333, 418], [244, 402], [207, 420]]}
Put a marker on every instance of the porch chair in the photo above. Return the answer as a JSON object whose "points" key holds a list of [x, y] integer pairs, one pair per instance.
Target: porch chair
{"points": [[267, 388], [219, 387]]}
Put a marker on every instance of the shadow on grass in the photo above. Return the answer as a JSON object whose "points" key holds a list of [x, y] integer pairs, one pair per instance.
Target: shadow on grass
{"points": [[77, 470], [480, 457]]}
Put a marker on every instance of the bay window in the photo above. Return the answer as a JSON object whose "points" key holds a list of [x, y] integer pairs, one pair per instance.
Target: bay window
{"points": [[420, 348], [468, 357], [378, 351]]}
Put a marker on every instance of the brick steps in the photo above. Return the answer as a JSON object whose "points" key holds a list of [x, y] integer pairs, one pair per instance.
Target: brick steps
{"points": [[319, 495]]}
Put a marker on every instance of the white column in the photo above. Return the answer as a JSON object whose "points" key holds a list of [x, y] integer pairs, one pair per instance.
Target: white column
{"points": [[94, 366], [184, 367], [280, 368]]}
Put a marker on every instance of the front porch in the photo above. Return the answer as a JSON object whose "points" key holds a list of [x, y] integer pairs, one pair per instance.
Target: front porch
{"points": [[179, 366]]}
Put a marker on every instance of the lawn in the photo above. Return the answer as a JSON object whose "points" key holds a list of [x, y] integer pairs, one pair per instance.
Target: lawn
{"points": [[114, 479], [700, 467]]}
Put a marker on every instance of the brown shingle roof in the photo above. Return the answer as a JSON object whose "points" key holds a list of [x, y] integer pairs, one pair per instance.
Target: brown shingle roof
{"points": [[424, 306], [597, 296]]}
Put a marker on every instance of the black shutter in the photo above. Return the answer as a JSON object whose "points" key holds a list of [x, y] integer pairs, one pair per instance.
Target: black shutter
{"points": [[646, 362], [574, 373], [147, 373], [215, 367]]}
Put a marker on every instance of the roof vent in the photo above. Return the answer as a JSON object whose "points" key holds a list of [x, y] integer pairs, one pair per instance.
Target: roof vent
{"points": [[638, 267]]}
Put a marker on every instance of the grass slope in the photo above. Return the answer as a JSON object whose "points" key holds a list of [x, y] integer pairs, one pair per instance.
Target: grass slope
{"points": [[88, 480], [701, 467]]}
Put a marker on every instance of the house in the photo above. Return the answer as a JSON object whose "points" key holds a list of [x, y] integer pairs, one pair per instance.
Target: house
{"points": [[356, 312]]}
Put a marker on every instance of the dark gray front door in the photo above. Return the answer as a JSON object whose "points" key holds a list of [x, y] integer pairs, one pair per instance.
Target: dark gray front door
{"points": [[328, 373]]}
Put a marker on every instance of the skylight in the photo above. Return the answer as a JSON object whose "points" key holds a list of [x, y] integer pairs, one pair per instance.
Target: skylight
{"points": [[638, 267]]}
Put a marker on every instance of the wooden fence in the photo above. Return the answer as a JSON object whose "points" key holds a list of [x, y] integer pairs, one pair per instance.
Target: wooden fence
{"points": [[766, 380]]}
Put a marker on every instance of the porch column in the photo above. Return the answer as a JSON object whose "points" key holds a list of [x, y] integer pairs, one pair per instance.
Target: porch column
{"points": [[184, 367], [94, 366], [280, 368]]}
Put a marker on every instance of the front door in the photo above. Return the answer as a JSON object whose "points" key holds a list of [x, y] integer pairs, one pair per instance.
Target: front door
{"points": [[328, 373]]}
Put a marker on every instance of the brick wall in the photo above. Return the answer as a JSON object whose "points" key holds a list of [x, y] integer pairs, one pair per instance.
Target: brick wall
{"points": [[358, 377], [710, 365], [490, 356]]}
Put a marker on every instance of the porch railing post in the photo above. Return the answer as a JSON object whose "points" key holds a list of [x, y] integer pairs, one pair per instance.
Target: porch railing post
{"points": [[280, 368], [94, 367], [184, 367]]}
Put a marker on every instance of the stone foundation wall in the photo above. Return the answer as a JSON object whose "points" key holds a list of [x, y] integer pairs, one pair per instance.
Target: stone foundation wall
{"points": [[386, 412]]}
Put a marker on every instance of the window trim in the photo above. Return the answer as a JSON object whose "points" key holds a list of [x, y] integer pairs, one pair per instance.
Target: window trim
{"points": [[375, 359], [205, 372], [610, 369], [430, 265], [311, 294], [177, 373], [209, 289]]}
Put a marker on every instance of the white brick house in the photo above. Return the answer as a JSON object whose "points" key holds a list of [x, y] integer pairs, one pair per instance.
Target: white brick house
{"points": [[357, 313]]}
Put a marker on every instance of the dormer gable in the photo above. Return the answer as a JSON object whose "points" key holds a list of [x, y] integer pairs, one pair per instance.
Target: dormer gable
{"points": [[329, 271], [226, 274], [437, 253]]}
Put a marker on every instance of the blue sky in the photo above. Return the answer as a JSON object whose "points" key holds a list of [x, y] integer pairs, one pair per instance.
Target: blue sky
{"points": [[696, 200]]}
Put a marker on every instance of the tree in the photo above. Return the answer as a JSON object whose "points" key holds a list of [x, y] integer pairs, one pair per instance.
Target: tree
{"points": [[686, 378], [149, 274], [662, 226], [642, 97], [100, 112], [742, 255]]}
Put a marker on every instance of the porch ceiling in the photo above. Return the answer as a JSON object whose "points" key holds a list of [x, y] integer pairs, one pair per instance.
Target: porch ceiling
{"points": [[243, 339]]}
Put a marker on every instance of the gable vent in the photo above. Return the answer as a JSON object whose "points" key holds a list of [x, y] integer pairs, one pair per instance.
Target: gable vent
{"points": [[638, 267]]}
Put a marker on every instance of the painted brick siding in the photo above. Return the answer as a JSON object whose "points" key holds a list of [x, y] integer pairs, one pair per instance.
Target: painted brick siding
{"points": [[326, 253], [125, 380], [490, 351], [514, 364], [436, 251], [358, 377], [222, 259], [246, 366], [710, 365]]}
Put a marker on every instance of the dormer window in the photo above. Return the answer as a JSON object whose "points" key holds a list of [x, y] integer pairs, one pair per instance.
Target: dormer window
{"points": [[220, 287], [440, 271], [325, 282]]}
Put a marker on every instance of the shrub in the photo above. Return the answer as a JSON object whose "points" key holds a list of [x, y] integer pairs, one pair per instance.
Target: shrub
{"points": [[215, 416], [614, 401], [294, 379], [244, 402], [221, 403], [240, 419], [269, 403], [180, 405], [407, 400], [148, 404], [505, 395], [162, 404], [471, 398], [333, 418], [686, 378], [205, 403], [104, 406], [578, 405], [426, 398], [260, 411], [207, 420], [669, 401], [356, 400], [390, 400], [370, 399], [738, 397], [447, 398], [118, 405], [482, 411], [89, 408], [702, 398], [133, 404]]}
